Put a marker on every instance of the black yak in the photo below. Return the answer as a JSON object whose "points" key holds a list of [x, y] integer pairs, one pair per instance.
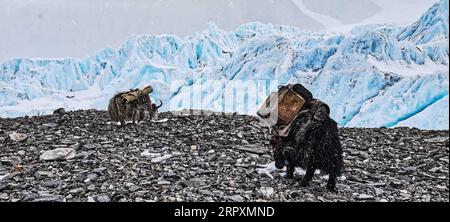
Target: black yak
{"points": [[312, 142], [132, 106]]}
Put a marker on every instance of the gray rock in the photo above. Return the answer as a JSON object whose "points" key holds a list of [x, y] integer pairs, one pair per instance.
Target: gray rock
{"points": [[51, 183], [236, 198], [90, 177], [44, 173], [4, 196], [266, 191], [58, 154], [134, 188], [365, 197], [378, 191], [103, 198], [160, 159], [91, 187], [440, 139], [163, 183], [59, 111], [4, 177], [51, 125], [18, 137], [89, 146], [99, 170], [76, 191]]}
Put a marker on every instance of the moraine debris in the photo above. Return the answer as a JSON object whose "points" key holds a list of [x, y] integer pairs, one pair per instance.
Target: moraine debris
{"points": [[111, 167]]}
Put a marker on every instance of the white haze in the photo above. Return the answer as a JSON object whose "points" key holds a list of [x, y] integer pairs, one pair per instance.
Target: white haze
{"points": [[76, 28]]}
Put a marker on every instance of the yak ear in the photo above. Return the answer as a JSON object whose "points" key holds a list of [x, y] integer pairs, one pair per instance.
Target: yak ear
{"points": [[147, 90]]}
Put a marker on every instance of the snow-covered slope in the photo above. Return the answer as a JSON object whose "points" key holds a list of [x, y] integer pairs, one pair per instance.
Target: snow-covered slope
{"points": [[376, 75]]}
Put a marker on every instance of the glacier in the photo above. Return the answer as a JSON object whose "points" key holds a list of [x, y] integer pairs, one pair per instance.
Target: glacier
{"points": [[372, 76]]}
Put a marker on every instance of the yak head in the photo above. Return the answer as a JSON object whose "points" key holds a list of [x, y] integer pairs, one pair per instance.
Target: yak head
{"points": [[146, 104], [155, 108]]}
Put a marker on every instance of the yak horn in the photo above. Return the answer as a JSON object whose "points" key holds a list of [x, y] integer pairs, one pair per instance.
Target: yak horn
{"points": [[159, 105]]}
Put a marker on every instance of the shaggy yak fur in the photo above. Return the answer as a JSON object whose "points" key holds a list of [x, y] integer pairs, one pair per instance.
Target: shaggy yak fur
{"points": [[313, 143], [120, 110]]}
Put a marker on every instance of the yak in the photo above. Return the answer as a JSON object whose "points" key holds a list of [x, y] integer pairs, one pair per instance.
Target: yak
{"points": [[132, 106], [312, 143]]}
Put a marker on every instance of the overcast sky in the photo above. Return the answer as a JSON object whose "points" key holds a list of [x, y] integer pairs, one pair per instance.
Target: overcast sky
{"points": [[77, 28]]}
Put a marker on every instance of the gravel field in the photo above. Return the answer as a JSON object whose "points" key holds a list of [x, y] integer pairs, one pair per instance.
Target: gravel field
{"points": [[81, 156]]}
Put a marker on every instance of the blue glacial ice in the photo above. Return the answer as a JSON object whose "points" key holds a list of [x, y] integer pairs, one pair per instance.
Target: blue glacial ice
{"points": [[372, 76]]}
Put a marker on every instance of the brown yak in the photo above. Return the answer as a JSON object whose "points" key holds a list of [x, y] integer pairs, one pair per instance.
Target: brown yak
{"points": [[132, 106]]}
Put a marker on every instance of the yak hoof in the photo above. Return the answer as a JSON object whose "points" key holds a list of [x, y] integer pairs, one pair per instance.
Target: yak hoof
{"points": [[332, 188], [289, 176], [304, 183]]}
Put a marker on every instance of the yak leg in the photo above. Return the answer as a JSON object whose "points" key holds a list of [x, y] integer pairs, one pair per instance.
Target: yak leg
{"points": [[308, 176], [134, 117], [120, 112], [331, 184], [141, 115], [122, 122], [290, 156], [290, 171]]}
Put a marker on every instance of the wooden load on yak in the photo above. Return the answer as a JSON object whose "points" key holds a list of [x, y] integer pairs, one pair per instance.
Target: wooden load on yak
{"points": [[134, 94], [281, 108], [132, 105]]}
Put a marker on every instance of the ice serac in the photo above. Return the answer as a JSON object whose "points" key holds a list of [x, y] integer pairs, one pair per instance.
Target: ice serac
{"points": [[431, 26], [372, 76]]}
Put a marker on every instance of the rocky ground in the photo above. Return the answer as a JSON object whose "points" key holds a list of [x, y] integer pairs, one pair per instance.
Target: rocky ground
{"points": [[81, 156]]}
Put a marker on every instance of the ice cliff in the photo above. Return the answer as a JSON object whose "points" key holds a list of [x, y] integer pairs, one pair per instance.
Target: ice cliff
{"points": [[373, 76]]}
